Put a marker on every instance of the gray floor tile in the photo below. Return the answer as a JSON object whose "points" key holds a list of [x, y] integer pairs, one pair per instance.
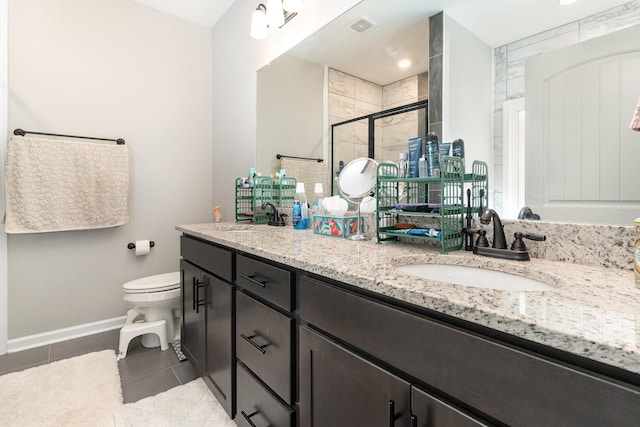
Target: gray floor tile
{"points": [[185, 372], [111, 340], [171, 357], [12, 362], [22, 368], [135, 347], [149, 385], [75, 347], [141, 365]]}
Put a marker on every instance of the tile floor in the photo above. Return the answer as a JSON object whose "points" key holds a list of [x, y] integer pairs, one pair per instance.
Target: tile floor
{"points": [[144, 372]]}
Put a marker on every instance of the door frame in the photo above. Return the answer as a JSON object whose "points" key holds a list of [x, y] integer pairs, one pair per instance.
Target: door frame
{"points": [[4, 104]]}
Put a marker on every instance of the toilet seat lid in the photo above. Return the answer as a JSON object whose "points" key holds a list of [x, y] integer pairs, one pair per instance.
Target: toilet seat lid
{"points": [[157, 283]]}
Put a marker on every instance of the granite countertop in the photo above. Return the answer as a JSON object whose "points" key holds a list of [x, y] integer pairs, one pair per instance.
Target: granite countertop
{"points": [[592, 311]]}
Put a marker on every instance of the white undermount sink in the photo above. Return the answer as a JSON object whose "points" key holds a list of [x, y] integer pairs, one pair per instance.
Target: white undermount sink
{"points": [[474, 277]]}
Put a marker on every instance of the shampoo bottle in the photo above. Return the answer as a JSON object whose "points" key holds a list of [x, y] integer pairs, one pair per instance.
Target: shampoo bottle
{"points": [[433, 155], [403, 165], [300, 208], [422, 167]]}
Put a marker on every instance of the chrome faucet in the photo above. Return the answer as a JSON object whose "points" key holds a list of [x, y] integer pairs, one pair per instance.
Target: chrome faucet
{"points": [[499, 241]]}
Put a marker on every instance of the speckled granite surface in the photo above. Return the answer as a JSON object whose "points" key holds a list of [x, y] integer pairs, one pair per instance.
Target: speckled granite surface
{"points": [[593, 311]]}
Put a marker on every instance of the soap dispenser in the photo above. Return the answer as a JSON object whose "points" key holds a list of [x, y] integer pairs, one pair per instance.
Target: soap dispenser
{"points": [[300, 208]]}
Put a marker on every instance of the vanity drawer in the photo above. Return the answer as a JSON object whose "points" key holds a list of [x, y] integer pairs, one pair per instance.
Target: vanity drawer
{"points": [[265, 280], [207, 256], [512, 385], [256, 405], [263, 343]]}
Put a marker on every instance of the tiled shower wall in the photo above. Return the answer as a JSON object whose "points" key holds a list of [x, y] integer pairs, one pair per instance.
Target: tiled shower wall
{"points": [[351, 97], [509, 67]]}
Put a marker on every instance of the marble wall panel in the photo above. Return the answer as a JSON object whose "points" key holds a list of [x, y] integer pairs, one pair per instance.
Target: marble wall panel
{"points": [[620, 17], [368, 92], [342, 107], [341, 83], [400, 93]]}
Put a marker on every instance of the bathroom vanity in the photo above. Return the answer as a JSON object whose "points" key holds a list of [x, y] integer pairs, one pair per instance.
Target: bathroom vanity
{"points": [[289, 328]]}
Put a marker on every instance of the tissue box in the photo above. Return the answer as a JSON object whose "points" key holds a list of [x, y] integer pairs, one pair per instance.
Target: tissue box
{"points": [[335, 226]]}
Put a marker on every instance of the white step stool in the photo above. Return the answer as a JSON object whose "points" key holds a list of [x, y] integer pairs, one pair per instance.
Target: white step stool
{"points": [[132, 330]]}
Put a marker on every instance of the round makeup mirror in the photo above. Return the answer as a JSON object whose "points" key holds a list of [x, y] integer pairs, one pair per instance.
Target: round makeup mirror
{"points": [[356, 181]]}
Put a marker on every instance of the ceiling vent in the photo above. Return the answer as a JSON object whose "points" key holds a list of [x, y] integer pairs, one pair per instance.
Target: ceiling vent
{"points": [[361, 25]]}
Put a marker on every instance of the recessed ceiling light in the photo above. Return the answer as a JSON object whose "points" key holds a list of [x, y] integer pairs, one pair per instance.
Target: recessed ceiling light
{"points": [[404, 63], [566, 2]]}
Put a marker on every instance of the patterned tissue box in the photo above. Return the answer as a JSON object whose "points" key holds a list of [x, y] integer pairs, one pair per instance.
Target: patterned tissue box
{"points": [[335, 226]]}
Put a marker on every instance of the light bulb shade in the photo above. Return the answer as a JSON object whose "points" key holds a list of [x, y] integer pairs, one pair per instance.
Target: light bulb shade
{"points": [[275, 13], [259, 23], [293, 6]]}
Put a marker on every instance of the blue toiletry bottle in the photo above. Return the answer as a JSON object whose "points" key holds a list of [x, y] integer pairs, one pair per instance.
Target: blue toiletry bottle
{"points": [[300, 208], [297, 213]]}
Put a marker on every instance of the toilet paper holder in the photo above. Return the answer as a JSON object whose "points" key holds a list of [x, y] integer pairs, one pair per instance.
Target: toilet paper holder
{"points": [[132, 245]]}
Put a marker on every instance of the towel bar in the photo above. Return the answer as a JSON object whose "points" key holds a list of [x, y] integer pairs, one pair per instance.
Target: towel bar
{"points": [[280, 156], [22, 132]]}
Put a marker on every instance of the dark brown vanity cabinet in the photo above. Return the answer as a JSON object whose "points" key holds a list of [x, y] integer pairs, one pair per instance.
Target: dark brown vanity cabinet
{"points": [[293, 349], [476, 377], [429, 411], [264, 344], [341, 389], [207, 315], [193, 315]]}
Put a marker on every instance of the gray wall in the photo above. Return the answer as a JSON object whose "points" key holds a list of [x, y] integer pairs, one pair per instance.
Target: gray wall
{"points": [[236, 58], [466, 91], [109, 68], [289, 111]]}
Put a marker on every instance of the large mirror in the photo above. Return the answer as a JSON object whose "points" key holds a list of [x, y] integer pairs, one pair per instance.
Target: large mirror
{"points": [[512, 32]]}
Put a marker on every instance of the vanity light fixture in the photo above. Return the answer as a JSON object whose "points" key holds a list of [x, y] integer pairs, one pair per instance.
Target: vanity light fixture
{"points": [[274, 14], [259, 23]]}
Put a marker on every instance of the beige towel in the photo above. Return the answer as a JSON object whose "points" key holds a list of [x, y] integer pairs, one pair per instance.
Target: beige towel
{"points": [[56, 185], [635, 121]]}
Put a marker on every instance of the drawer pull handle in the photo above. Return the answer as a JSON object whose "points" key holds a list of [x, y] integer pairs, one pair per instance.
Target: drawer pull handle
{"points": [[392, 414], [252, 279], [250, 340], [248, 417]]}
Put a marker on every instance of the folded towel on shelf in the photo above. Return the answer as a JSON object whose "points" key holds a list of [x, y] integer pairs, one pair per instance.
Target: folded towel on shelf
{"points": [[60, 185], [635, 121]]}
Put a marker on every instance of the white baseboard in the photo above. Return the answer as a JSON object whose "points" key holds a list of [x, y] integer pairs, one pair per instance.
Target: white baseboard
{"points": [[51, 337]]}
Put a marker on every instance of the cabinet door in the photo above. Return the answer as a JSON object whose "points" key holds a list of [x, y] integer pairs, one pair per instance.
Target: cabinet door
{"points": [[192, 337], [219, 333], [339, 388], [428, 411]]}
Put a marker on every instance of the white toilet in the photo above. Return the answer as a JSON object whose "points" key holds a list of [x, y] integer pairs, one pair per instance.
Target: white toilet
{"points": [[154, 303]]}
